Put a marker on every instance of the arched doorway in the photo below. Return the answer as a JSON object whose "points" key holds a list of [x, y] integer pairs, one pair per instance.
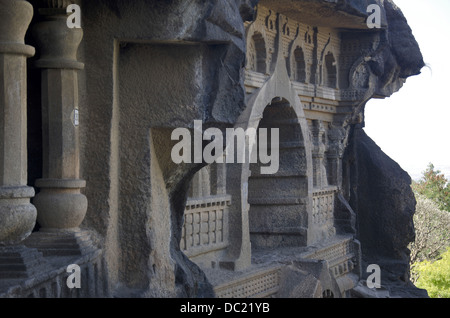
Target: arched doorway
{"points": [[278, 213]]}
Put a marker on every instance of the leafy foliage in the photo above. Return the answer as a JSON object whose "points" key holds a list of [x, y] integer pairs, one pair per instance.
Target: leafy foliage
{"points": [[433, 276], [432, 227], [435, 186], [430, 252]]}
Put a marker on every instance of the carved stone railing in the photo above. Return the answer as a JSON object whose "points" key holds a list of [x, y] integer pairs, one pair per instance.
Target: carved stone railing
{"points": [[262, 284], [323, 205], [340, 255], [51, 282], [205, 226]]}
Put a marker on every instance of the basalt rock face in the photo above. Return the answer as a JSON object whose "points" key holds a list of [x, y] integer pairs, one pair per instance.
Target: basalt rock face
{"points": [[385, 204], [377, 187], [400, 58]]}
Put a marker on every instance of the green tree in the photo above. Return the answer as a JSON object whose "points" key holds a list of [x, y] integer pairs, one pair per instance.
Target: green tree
{"points": [[433, 276], [434, 186], [432, 227]]}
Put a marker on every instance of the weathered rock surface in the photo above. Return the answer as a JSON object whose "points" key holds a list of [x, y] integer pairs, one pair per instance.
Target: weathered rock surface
{"points": [[378, 188], [382, 195]]}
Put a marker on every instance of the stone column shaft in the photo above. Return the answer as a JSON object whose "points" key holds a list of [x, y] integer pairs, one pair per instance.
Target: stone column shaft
{"points": [[60, 203], [60, 124], [17, 214], [61, 206], [218, 176], [13, 122]]}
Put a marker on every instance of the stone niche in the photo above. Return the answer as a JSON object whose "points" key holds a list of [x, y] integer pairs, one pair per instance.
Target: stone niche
{"points": [[154, 228]]}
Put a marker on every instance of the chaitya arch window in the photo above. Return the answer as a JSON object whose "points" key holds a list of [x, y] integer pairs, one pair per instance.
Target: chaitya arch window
{"points": [[330, 76], [259, 45], [300, 66]]}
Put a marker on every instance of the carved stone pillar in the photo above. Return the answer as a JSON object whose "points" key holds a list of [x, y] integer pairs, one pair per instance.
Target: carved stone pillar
{"points": [[60, 204], [336, 147], [218, 174], [201, 185], [319, 147], [17, 214]]}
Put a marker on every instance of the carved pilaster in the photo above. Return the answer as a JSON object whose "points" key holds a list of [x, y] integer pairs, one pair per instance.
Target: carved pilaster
{"points": [[60, 204], [218, 175], [318, 152], [336, 136]]}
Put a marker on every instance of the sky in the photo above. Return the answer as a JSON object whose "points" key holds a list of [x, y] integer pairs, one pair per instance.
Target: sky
{"points": [[413, 125]]}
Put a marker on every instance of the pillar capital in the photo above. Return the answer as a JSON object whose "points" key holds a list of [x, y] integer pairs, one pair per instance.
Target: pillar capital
{"points": [[15, 17], [58, 44]]}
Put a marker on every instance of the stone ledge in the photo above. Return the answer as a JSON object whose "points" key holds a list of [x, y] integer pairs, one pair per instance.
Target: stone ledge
{"points": [[16, 192], [17, 48]]}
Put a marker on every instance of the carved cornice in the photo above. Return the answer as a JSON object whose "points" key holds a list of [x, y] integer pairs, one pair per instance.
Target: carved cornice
{"points": [[57, 43]]}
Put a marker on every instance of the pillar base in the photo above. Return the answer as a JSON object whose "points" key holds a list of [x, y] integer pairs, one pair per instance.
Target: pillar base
{"points": [[17, 214], [60, 204], [57, 242]]}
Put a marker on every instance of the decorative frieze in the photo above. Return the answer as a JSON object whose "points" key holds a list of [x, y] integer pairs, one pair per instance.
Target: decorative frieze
{"points": [[311, 54]]}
